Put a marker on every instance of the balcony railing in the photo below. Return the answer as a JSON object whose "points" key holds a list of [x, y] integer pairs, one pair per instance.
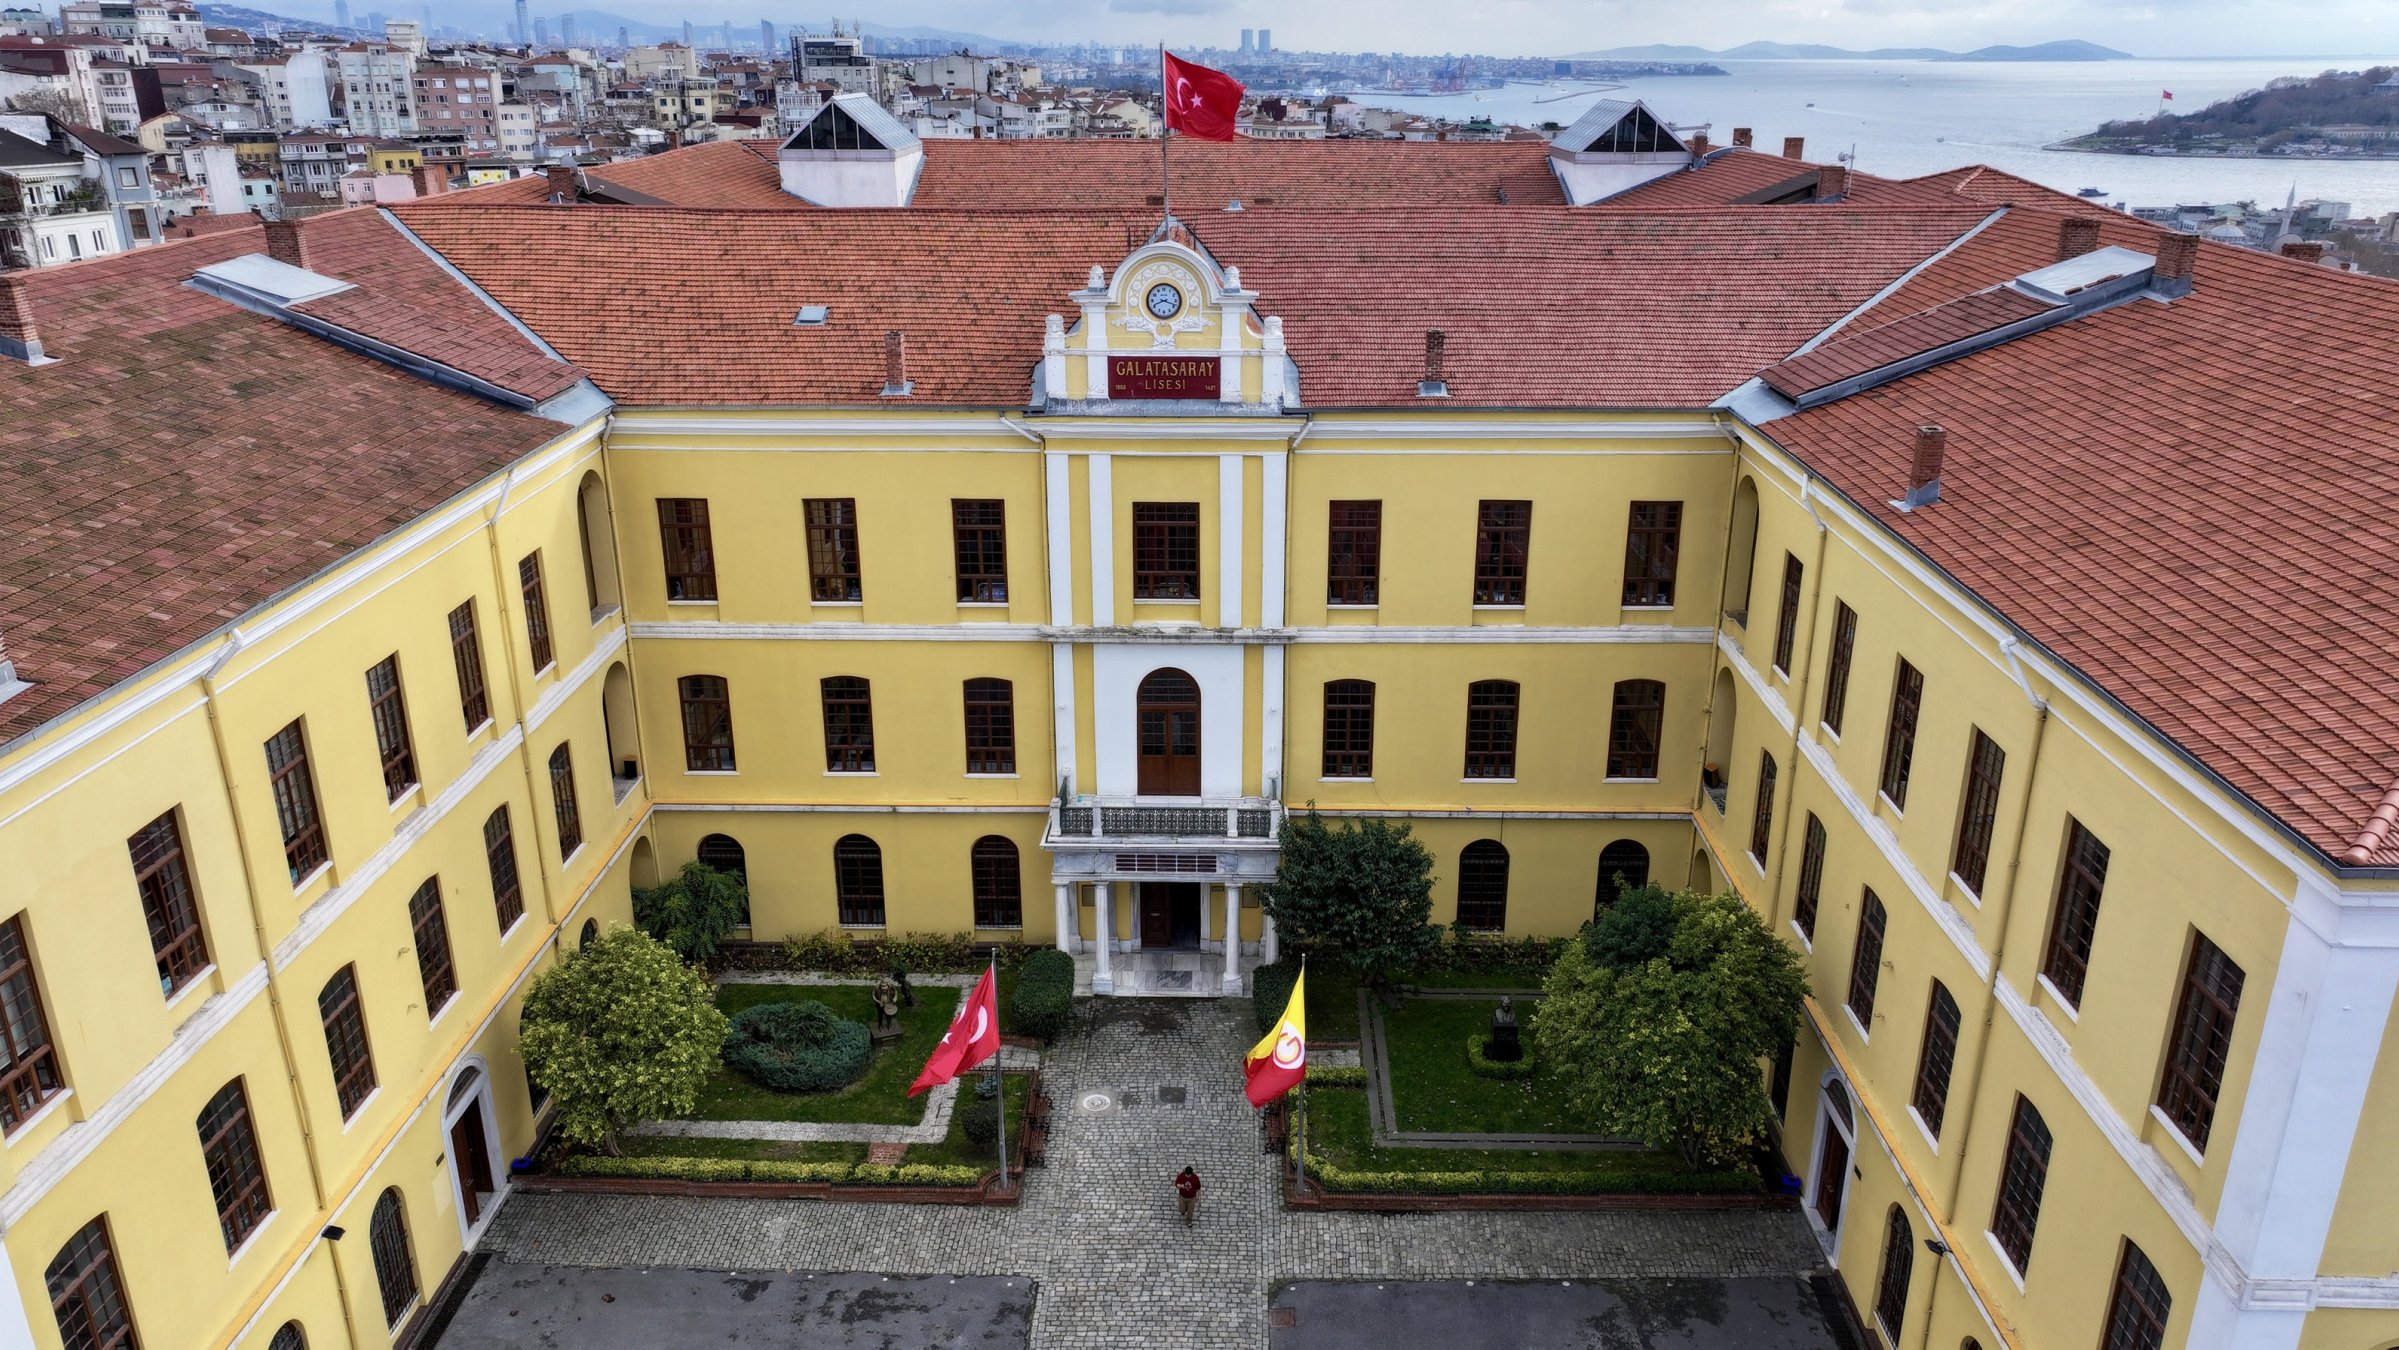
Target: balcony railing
{"points": [[1255, 819]]}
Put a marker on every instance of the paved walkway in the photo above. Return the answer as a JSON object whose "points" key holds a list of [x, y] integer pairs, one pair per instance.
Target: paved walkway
{"points": [[1141, 1088]]}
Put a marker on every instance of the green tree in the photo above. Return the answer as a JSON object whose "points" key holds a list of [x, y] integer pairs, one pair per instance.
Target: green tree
{"points": [[1361, 895], [695, 910], [1666, 1048], [621, 1032]]}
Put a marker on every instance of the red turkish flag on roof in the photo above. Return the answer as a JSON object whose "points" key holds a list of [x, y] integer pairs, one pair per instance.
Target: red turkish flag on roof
{"points": [[1199, 101], [974, 1036]]}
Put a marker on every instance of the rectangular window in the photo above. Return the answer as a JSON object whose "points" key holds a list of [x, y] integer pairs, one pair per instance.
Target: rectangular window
{"points": [[537, 612], [1761, 824], [28, 1064], [432, 947], [1786, 621], [690, 552], [1354, 554], [165, 885], [2067, 958], [1836, 665], [236, 1176], [1985, 762], [346, 1040], [1934, 1061], [1503, 542], [990, 726], [1899, 746], [2023, 1175], [707, 723], [833, 575], [2211, 999], [2138, 1309], [849, 724], [1491, 729], [562, 800], [1652, 543], [390, 715], [499, 853], [1811, 878], [295, 802], [1349, 729], [466, 653], [1866, 963], [979, 535], [1635, 726], [86, 1295], [1166, 551]]}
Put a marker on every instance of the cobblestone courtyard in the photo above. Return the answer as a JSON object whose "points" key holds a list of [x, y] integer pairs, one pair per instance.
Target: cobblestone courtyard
{"points": [[1141, 1088]]}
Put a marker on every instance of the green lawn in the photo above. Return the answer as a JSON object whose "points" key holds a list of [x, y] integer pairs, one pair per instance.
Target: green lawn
{"points": [[1338, 1131], [1332, 1005], [881, 1097], [957, 1148], [1432, 1089], [755, 1150]]}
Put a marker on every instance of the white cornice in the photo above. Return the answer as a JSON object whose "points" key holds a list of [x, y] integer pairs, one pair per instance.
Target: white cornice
{"points": [[1345, 634], [1454, 427]]}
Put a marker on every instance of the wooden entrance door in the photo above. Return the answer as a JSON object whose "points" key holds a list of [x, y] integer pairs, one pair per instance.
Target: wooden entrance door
{"points": [[1169, 739], [1170, 914], [471, 1157], [1832, 1174]]}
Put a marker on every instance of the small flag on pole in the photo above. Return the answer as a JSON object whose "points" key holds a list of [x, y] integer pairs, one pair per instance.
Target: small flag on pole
{"points": [[1279, 1060], [2167, 95], [1200, 102], [974, 1036]]}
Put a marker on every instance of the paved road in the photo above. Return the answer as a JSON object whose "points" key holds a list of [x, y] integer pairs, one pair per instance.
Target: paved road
{"points": [[1743, 1314], [515, 1307], [1141, 1088]]}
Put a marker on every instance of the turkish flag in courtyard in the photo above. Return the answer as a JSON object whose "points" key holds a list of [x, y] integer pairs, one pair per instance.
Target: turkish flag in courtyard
{"points": [[1199, 101], [974, 1036]]}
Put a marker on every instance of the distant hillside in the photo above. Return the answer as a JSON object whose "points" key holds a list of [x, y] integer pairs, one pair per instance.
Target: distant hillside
{"points": [[1812, 51], [258, 20], [2339, 111]]}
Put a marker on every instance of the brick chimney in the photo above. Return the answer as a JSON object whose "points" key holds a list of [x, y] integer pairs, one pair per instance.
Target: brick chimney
{"points": [[1699, 145], [18, 335], [429, 180], [1924, 472], [1435, 383], [2076, 235], [562, 180], [1832, 182], [1742, 138], [2177, 253], [1795, 147], [896, 383], [283, 243], [2305, 250]]}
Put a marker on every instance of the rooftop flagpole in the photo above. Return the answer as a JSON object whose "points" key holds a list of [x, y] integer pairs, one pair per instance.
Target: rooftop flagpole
{"points": [[1165, 134]]}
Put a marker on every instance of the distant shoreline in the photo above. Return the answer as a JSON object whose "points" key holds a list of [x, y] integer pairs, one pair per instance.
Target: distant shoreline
{"points": [[2142, 152]]}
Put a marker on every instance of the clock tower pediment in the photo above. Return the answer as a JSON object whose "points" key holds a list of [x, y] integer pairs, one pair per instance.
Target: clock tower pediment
{"points": [[1169, 330]]}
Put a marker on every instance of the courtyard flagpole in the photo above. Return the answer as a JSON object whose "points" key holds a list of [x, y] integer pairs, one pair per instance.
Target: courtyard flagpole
{"points": [[1299, 1134], [998, 1080]]}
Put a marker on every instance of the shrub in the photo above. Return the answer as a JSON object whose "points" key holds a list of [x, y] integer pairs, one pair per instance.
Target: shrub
{"points": [[830, 951], [979, 1117], [782, 1173], [1348, 1075], [1495, 1182], [1486, 1067], [695, 910], [791, 1172], [929, 953], [797, 1047], [623, 1032], [1360, 895], [657, 1168], [915, 1174], [1045, 994], [1270, 991]]}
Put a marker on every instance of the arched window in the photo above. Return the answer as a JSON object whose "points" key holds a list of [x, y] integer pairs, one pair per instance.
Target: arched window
{"points": [[599, 552], [858, 881], [1741, 552], [1623, 866], [589, 935], [1838, 1097], [562, 801], [395, 1266], [1635, 724], [707, 724], [85, 1293], [463, 1086], [1891, 1291], [1168, 738], [725, 853], [999, 891], [1483, 886], [289, 1336]]}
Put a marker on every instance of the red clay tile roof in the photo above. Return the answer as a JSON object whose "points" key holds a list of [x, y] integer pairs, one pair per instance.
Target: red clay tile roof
{"points": [[185, 227], [1552, 308], [1982, 183], [2180, 500], [186, 460], [1855, 352], [1733, 177]]}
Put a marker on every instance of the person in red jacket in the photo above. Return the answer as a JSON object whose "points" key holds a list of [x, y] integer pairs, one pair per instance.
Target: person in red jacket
{"points": [[1187, 1189]]}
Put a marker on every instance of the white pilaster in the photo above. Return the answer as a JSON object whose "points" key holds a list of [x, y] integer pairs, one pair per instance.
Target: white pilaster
{"points": [[1103, 542], [1062, 709], [1273, 539], [1058, 515], [1066, 918], [1270, 723], [1228, 541], [1232, 939], [1103, 981]]}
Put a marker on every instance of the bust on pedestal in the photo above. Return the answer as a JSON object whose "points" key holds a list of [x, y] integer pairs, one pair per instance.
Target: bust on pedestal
{"points": [[887, 1010], [1503, 1047]]}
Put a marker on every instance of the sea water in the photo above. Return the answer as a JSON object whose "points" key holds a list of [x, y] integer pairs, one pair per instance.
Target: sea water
{"points": [[1904, 118]]}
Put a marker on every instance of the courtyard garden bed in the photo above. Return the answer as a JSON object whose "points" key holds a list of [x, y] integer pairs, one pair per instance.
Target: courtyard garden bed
{"points": [[1434, 1086], [880, 1097]]}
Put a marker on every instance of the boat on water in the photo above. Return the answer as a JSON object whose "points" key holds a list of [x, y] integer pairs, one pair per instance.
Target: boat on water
{"points": [[2092, 192]]}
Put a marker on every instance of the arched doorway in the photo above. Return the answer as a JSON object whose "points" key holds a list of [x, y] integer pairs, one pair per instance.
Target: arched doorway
{"points": [[468, 1122], [599, 551], [1723, 710], [1740, 552], [1623, 866], [644, 871], [1828, 1173], [1169, 734]]}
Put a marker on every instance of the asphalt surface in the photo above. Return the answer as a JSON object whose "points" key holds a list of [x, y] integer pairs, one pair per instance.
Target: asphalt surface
{"points": [[1652, 1314], [533, 1307]]}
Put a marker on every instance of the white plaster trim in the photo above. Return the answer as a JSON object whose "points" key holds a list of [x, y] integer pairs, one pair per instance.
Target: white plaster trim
{"points": [[680, 631], [1878, 831], [1467, 427], [1274, 538], [632, 422], [328, 908], [1058, 544], [1229, 509], [861, 808], [571, 683], [1510, 634], [1102, 508], [79, 1140], [1270, 724], [1268, 427], [2007, 1264], [1062, 709], [1468, 813]]}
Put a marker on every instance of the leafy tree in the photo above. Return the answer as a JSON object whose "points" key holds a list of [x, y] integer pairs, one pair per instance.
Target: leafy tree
{"points": [[621, 1032], [1666, 1048], [1361, 895], [1637, 929], [695, 910]]}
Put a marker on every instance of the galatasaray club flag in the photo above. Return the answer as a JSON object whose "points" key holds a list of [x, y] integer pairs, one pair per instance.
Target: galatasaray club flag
{"points": [[974, 1036], [1279, 1060], [1199, 101]]}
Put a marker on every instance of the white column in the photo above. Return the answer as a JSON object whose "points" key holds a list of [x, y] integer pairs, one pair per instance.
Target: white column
{"points": [[1066, 918], [1205, 924], [1103, 981], [1268, 952], [1232, 938], [1101, 493]]}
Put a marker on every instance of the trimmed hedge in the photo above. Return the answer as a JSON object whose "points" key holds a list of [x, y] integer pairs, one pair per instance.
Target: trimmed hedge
{"points": [[1045, 994], [834, 952], [979, 1117], [741, 1169], [1348, 1075], [797, 1047], [1270, 992], [1526, 954], [1486, 1067], [1492, 1182]]}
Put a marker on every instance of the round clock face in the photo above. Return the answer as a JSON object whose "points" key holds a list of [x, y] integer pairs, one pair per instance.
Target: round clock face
{"points": [[1165, 301]]}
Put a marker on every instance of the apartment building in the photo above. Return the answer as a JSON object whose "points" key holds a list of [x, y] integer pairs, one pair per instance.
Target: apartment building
{"points": [[1003, 565], [376, 97], [461, 99]]}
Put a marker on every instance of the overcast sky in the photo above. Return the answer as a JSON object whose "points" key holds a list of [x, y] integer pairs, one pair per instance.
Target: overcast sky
{"points": [[1555, 27]]}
